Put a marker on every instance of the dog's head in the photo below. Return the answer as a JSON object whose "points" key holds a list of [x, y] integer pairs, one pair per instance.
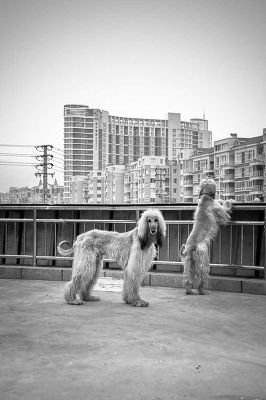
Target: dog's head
{"points": [[208, 187], [151, 228]]}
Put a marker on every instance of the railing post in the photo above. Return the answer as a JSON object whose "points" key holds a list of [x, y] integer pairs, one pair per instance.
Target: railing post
{"points": [[34, 237], [137, 216]]}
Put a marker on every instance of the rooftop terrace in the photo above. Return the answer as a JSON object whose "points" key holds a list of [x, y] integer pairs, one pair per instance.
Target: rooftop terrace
{"points": [[180, 347]]}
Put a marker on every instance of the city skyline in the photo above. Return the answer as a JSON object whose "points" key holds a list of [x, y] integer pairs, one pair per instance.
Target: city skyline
{"points": [[133, 58]]}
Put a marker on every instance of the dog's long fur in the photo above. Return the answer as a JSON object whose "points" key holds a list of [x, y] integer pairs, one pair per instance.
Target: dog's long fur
{"points": [[208, 217], [133, 251]]}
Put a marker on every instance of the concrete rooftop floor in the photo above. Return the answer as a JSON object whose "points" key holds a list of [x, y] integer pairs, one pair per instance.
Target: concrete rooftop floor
{"points": [[181, 347]]}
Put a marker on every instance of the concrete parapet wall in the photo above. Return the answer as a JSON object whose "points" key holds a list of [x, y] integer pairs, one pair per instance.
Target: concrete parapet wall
{"points": [[174, 280]]}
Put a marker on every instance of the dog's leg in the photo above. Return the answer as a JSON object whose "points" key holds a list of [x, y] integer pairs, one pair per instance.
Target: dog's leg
{"points": [[188, 284], [138, 264], [131, 288], [83, 271], [204, 273], [89, 288], [71, 296], [189, 268]]}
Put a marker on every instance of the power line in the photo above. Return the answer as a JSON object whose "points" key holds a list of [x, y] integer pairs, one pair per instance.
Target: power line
{"points": [[16, 163], [62, 151], [17, 145], [60, 159], [17, 155], [60, 171], [58, 163]]}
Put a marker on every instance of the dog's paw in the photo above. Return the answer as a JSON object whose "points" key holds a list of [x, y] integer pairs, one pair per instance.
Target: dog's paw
{"points": [[77, 302], [228, 205], [93, 298], [202, 291], [140, 303]]}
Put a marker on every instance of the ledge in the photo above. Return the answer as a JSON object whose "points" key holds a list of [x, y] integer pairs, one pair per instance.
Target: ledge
{"points": [[174, 280]]}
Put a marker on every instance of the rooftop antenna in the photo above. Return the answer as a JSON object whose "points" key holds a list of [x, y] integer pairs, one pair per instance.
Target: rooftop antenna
{"points": [[203, 113]]}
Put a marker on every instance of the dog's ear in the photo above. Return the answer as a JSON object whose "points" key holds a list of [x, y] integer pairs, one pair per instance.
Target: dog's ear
{"points": [[161, 228], [144, 239], [143, 231], [159, 238]]}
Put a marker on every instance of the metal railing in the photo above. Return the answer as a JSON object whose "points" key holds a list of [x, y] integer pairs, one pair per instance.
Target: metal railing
{"points": [[29, 234]]}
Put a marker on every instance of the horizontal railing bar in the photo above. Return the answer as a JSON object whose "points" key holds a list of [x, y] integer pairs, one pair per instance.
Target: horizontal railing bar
{"points": [[96, 221], [15, 256], [56, 220], [136, 207], [54, 258], [16, 219], [117, 221]]}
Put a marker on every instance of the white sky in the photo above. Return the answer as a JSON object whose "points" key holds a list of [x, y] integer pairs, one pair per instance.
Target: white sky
{"points": [[140, 58]]}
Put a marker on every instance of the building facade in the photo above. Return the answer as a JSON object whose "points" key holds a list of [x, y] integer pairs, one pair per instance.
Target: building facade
{"points": [[34, 195], [236, 164], [93, 140], [95, 188]]}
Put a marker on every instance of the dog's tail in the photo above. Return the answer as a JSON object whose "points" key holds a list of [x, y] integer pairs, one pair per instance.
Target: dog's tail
{"points": [[183, 251], [64, 252], [189, 250], [186, 250]]}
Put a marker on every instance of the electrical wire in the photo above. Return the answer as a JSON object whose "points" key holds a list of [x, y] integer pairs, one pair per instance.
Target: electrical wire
{"points": [[58, 164], [55, 169], [58, 149], [16, 164], [17, 155], [17, 145]]}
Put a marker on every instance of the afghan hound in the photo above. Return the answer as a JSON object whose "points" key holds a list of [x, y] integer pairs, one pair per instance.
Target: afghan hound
{"points": [[133, 251], [208, 217]]}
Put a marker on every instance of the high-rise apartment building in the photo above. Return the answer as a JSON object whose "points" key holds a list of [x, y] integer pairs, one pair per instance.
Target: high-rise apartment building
{"points": [[93, 139]]}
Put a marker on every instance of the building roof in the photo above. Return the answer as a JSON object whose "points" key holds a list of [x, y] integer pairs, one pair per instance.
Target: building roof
{"points": [[245, 141], [202, 151]]}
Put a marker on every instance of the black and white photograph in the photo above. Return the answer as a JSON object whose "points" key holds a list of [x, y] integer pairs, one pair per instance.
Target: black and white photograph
{"points": [[133, 199]]}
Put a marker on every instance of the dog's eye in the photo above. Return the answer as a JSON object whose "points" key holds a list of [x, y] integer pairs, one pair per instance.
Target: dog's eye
{"points": [[149, 220], [155, 220]]}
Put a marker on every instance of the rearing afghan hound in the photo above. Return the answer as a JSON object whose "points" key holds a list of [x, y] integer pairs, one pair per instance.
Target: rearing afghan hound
{"points": [[208, 217], [133, 251]]}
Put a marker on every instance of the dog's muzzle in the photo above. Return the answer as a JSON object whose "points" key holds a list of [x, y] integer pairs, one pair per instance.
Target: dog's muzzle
{"points": [[153, 230]]}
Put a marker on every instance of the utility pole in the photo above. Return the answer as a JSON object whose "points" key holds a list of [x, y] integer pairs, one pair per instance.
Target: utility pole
{"points": [[44, 166]]}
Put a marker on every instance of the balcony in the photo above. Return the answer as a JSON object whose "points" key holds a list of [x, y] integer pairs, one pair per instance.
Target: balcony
{"points": [[188, 183], [229, 178], [255, 175], [228, 166], [259, 160], [187, 194], [229, 192], [257, 189], [187, 173]]}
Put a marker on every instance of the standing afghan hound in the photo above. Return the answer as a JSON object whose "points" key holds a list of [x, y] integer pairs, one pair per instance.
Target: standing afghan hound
{"points": [[208, 217], [133, 251]]}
